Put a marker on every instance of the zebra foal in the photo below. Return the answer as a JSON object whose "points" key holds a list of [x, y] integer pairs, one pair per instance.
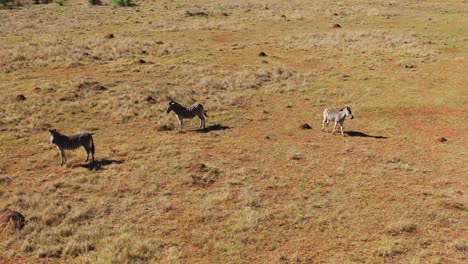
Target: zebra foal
{"points": [[63, 142], [337, 116], [187, 113]]}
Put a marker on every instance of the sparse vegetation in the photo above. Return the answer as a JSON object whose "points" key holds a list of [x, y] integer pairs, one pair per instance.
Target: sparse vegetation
{"points": [[122, 2], [8, 3], [254, 187], [95, 2]]}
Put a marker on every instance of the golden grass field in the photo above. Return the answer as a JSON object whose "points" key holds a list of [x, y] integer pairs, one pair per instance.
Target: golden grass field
{"points": [[387, 192]]}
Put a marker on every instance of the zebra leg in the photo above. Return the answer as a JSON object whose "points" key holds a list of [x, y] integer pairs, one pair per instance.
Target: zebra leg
{"points": [[323, 124], [334, 128], [64, 159], [326, 124], [181, 122], [87, 152], [342, 127], [92, 150], [202, 122]]}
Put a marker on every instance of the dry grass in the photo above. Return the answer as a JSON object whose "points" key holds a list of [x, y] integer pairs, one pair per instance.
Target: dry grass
{"points": [[389, 192]]}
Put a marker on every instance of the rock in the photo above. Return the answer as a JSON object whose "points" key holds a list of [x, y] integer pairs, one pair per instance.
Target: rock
{"points": [[337, 26], [141, 61], [20, 98], [442, 139], [109, 36], [306, 126], [262, 54], [12, 219], [225, 14], [149, 99]]}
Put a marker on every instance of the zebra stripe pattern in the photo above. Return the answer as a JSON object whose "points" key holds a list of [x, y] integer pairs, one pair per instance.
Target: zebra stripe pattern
{"points": [[337, 116], [63, 142], [188, 113]]}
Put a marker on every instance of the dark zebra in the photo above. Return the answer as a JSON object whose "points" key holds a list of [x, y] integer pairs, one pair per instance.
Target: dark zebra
{"points": [[188, 113], [337, 116], [63, 142]]}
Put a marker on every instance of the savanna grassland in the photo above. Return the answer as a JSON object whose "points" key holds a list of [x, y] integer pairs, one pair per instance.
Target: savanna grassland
{"points": [[387, 192]]}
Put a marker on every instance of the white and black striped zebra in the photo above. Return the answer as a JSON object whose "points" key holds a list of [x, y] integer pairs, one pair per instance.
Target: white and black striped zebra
{"points": [[337, 116], [63, 142], [188, 113]]}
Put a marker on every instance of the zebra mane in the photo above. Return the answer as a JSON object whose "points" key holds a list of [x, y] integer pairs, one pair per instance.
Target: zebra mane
{"points": [[172, 103], [347, 107]]}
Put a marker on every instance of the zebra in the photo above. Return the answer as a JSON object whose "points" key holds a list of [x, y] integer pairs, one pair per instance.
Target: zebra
{"points": [[337, 116], [190, 112], [63, 142]]}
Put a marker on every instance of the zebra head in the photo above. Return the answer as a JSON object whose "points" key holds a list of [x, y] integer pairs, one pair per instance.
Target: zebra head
{"points": [[348, 112], [53, 133], [171, 106]]}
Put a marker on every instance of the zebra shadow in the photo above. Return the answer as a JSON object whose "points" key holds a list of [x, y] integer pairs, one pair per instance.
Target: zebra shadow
{"points": [[212, 128], [360, 134], [98, 164]]}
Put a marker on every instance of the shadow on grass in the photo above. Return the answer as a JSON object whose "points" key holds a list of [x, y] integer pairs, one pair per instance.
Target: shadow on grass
{"points": [[212, 128], [360, 134], [98, 164]]}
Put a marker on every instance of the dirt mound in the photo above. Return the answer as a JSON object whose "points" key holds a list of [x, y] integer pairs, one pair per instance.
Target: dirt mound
{"points": [[203, 175], [109, 36], [141, 61], [337, 26], [199, 167], [20, 98], [305, 126], [262, 54], [91, 86], [12, 219]]}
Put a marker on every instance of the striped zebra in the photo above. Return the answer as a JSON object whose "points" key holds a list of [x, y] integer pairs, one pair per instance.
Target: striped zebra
{"points": [[63, 142], [188, 113], [337, 116]]}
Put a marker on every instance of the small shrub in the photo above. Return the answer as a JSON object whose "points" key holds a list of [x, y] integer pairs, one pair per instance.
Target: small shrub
{"points": [[9, 3], [122, 2], [37, 2], [59, 2], [95, 2]]}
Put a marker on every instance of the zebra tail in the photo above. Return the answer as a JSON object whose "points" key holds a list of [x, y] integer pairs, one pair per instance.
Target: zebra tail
{"points": [[204, 112]]}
